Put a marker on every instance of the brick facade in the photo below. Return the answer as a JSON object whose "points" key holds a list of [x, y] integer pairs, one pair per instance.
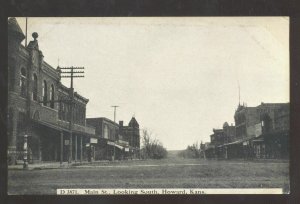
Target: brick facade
{"points": [[116, 139], [34, 89], [259, 132]]}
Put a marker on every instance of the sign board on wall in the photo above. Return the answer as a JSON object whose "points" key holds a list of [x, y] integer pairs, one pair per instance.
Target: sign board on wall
{"points": [[93, 140], [258, 130], [110, 143]]}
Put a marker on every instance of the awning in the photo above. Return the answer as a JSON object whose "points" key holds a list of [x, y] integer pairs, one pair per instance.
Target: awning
{"points": [[53, 126], [59, 128], [115, 145], [259, 140], [232, 143], [118, 146]]}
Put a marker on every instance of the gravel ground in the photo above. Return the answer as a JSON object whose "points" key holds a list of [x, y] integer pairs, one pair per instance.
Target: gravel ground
{"points": [[167, 173]]}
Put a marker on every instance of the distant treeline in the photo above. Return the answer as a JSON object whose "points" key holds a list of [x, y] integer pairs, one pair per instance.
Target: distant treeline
{"points": [[152, 148], [192, 151]]}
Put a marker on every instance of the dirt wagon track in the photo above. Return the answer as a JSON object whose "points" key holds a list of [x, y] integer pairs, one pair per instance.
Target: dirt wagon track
{"points": [[167, 173]]}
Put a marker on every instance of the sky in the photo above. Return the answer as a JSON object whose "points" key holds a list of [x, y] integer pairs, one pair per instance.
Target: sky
{"points": [[179, 76]]}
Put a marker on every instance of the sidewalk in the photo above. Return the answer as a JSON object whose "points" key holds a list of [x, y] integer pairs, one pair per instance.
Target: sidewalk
{"points": [[55, 165], [39, 166]]}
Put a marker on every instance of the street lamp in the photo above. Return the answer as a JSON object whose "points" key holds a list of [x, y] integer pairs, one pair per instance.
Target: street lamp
{"points": [[25, 148]]}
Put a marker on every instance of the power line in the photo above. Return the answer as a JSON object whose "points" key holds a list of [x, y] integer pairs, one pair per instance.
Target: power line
{"points": [[70, 73]]}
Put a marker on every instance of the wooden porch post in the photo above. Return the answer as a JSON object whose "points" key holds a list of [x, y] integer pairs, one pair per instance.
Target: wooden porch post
{"points": [[61, 147], [81, 148], [75, 148]]}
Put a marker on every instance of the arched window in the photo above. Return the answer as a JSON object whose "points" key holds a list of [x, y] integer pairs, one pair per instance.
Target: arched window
{"points": [[52, 96], [23, 79], [44, 93], [35, 87]]}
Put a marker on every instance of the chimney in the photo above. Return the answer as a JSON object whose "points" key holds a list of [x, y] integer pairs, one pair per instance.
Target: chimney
{"points": [[121, 123]]}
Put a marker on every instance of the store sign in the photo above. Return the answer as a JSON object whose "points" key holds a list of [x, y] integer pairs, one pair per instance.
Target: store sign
{"points": [[93, 141], [258, 129], [126, 149], [87, 144], [110, 143]]}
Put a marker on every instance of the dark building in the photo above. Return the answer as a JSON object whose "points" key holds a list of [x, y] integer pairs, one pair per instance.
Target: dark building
{"points": [[229, 132], [131, 134], [259, 132], [115, 141], [35, 106], [266, 129], [107, 147]]}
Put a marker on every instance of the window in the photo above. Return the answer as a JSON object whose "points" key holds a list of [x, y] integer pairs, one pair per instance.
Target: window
{"points": [[106, 132], [44, 93], [35, 87], [52, 96], [23, 82]]}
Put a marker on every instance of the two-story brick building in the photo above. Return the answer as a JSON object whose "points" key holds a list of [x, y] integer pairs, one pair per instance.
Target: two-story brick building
{"points": [[131, 133], [116, 141], [107, 147], [38, 105], [260, 132]]}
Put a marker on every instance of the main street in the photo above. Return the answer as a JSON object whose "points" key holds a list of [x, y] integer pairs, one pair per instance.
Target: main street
{"points": [[165, 173]]}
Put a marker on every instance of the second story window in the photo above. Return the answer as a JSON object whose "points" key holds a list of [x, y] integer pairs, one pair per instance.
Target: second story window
{"points": [[44, 93], [35, 87], [52, 96], [106, 132], [23, 79]]}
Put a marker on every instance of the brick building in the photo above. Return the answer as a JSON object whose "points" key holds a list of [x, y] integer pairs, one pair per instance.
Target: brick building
{"points": [[38, 106], [259, 132], [107, 147], [131, 133], [115, 141]]}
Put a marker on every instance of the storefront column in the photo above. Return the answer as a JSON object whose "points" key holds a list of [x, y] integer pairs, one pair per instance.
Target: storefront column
{"points": [[40, 148], [12, 139], [81, 148], [75, 148], [61, 147], [70, 148]]}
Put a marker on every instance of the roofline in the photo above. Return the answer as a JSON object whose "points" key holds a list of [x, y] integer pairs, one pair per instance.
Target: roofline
{"points": [[102, 118]]}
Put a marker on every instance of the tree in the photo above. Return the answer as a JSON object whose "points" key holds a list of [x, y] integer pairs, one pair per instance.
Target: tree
{"points": [[192, 151], [152, 148]]}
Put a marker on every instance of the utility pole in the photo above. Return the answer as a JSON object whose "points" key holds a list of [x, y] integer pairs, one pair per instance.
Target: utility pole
{"points": [[239, 92], [70, 73], [115, 107], [26, 33]]}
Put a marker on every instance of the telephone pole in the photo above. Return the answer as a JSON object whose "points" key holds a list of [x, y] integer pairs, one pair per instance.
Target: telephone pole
{"points": [[115, 107], [26, 33], [70, 73]]}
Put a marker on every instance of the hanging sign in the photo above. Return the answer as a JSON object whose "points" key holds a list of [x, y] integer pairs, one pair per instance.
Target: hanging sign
{"points": [[93, 141]]}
